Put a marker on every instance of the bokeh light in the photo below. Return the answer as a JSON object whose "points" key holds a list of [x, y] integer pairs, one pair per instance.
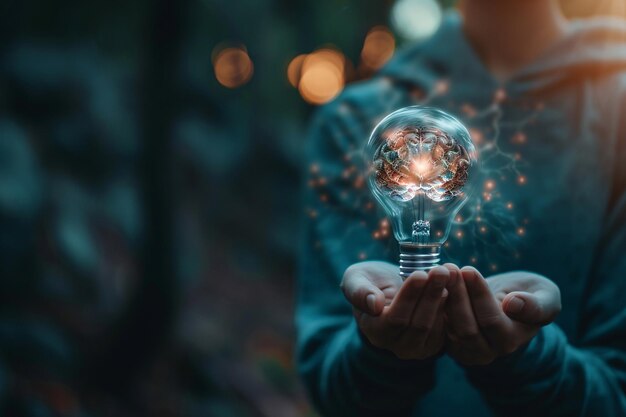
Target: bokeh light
{"points": [[322, 75], [294, 70], [378, 47], [233, 67], [416, 19]]}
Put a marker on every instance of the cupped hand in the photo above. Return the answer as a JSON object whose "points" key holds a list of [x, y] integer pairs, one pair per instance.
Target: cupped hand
{"points": [[403, 317], [489, 318]]}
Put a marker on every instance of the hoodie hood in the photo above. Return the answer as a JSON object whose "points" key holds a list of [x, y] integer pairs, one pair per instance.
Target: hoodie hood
{"points": [[592, 48]]}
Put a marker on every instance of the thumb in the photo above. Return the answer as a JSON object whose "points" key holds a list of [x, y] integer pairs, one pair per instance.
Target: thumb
{"points": [[540, 307], [362, 294]]}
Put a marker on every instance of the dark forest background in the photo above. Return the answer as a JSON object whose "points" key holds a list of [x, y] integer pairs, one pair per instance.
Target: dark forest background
{"points": [[148, 214]]}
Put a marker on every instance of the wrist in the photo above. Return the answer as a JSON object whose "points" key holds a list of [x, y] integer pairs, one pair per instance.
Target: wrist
{"points": [[381, 380], [505, 362], [545, 350], [370, 352]]}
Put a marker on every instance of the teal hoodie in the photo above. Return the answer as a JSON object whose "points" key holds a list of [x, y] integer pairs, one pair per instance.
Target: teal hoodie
{"points": [[552, 144]]}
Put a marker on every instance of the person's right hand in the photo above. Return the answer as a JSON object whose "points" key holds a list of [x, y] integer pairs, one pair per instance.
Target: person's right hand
{"points": [[493, 317], [403, 317]]}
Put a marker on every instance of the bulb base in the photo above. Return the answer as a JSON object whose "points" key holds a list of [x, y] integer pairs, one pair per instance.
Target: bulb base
{"points": [[418, 258]]}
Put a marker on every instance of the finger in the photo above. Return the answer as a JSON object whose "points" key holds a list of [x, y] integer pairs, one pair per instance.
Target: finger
{"points": [[407, 298], [362, 294], [425, 312], [376, 330], [461, 325], [539, 307], [489, 316], [454, 270], [437, 334], [451, 267], [422, 334]]}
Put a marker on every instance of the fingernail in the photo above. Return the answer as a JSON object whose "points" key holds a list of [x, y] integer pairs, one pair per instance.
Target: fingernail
{"points": [[515, 305], [371, 302]]}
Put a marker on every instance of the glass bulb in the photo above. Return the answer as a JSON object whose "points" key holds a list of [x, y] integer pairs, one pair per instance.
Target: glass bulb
{"points": [[421, 167]]}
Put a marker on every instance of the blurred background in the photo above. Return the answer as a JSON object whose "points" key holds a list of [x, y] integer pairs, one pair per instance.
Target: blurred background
{"points": [[150, 167]]}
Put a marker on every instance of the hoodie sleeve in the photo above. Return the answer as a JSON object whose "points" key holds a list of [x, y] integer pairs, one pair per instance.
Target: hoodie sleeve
{"points": [[556, 377], [344, 374]]}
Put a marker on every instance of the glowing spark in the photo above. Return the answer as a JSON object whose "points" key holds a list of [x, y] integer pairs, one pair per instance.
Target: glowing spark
{"points": [[442, 87], [477, 136], [499, 96], [519, 138], [469, 110]]}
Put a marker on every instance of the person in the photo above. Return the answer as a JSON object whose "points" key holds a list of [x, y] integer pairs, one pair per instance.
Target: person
{"points": [[536, 325]]}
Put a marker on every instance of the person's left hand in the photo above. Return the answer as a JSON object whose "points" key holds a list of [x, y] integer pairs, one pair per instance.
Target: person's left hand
{"points": [[488, 318]]}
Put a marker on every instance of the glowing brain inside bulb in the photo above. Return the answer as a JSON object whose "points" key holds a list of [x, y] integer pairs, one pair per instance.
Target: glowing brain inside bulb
{"points": [[422, 162], [421, 159]]}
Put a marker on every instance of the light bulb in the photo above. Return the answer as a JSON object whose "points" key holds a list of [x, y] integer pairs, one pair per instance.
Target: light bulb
{"points": [[421, 167]]}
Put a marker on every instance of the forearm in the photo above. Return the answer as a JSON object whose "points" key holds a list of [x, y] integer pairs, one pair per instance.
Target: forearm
{"points": [[350, 377], [551, 377]]}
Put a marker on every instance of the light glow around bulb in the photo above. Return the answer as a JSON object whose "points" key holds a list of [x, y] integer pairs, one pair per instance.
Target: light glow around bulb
{"points": [[422, 162]]}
